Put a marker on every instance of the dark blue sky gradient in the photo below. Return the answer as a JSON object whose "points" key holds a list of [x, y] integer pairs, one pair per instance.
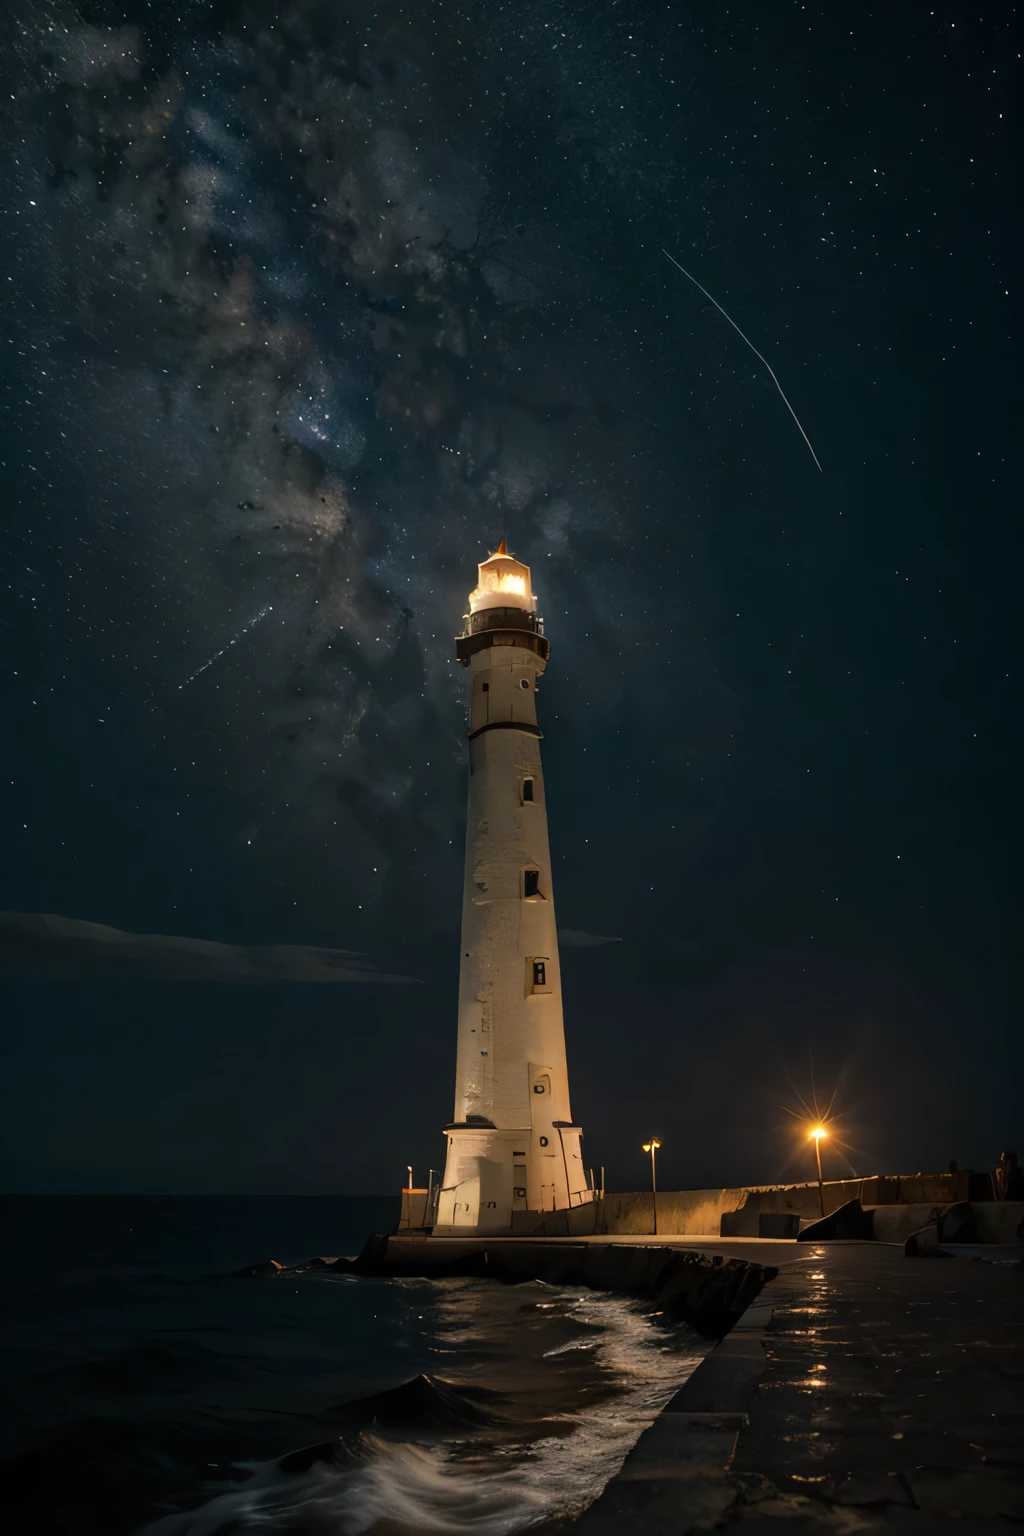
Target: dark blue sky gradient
{"points": [[307, 305]]}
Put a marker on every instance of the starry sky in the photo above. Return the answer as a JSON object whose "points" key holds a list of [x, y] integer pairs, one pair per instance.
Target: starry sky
{"points": [[307, 304]]}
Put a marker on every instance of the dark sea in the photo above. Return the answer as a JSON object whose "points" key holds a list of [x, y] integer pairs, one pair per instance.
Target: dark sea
{"points": [[149, 1388]]}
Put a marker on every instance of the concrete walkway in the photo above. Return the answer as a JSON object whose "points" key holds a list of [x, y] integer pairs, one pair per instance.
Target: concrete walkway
{"points": [[863, 1392]]}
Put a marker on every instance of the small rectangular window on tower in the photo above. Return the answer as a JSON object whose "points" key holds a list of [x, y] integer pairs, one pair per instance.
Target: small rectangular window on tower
{"points": [[537, 975], [531, 883], [527, 791]]}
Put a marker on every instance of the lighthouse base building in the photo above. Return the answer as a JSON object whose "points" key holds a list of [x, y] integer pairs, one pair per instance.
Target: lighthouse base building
{"points": [[512, 1145]]}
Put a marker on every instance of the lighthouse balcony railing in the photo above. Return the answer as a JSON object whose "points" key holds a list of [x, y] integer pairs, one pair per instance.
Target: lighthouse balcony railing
{"points": [[502, 618], [501, 626]]}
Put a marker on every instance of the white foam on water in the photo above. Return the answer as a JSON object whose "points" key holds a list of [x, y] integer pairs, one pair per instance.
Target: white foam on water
{"points": [[470, 1486]]}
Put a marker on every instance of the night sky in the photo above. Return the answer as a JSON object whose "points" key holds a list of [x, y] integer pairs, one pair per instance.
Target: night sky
{"points": [[307, 305]]}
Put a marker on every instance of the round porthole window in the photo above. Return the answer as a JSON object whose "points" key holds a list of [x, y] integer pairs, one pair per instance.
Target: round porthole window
{"points": [[543, 1141], [538, 1087], [524, 682], [520, 1192]]}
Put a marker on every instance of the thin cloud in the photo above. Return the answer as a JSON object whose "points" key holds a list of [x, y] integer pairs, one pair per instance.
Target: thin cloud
{"points": [[43, 946]]}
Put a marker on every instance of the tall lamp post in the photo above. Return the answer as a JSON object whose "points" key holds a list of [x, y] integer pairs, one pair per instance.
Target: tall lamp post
{"points": [[817, 1134], [652, 1147]]}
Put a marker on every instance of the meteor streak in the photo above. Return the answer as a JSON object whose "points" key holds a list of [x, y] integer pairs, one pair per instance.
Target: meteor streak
{"points": [[753, 349], [224, 648]]}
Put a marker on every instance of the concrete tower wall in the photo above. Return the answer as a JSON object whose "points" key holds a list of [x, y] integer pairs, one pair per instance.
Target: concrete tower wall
{"points": [[512, 1145]]}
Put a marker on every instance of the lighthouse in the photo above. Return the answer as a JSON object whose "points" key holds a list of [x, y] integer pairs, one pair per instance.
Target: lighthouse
{"points": [[512, 1145]]}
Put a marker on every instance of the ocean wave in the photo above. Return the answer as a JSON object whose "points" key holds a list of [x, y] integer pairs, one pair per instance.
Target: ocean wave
{"points": [[400, 1489], [440, 1455], [429, 1402]]}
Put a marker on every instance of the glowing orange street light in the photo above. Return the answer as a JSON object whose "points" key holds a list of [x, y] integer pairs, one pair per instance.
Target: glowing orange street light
{"points": [[816, 1135], [652, 1147]]}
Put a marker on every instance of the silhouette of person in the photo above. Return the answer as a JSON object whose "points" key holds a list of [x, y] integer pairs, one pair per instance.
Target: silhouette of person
{"points": [[1008, 1177]]}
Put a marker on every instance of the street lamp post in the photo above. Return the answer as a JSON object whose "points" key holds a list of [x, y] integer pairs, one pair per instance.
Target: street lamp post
{"points": [[816, 1136], [652, 1147]]}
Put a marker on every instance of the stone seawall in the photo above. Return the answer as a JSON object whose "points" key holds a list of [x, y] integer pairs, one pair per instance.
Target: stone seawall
{"points": [[708, 1293], [736, 1211]]}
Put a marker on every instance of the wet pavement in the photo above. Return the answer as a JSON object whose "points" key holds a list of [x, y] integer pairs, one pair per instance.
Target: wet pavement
{"points": [[863, 1392]]}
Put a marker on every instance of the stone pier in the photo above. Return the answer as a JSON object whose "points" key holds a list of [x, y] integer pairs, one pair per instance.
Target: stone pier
{"points": [[862, 1392]]}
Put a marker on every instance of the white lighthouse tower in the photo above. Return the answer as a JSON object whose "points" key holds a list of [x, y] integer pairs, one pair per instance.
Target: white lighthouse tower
{"points": [[512, 1145]]}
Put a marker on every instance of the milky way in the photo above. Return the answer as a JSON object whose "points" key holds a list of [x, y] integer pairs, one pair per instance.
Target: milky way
{"points": [[325, 317]]}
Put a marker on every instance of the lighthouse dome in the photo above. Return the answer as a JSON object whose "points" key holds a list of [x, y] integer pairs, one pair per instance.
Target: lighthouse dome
{"points": [[503, 582]]}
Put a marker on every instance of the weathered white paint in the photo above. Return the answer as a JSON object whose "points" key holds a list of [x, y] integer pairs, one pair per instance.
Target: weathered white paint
{"points": [[512, 1144]]}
